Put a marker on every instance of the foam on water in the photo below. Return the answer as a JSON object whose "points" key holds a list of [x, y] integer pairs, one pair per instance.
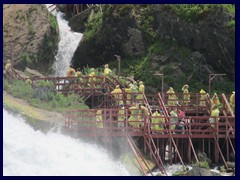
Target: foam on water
{"points": [[30, 152]]}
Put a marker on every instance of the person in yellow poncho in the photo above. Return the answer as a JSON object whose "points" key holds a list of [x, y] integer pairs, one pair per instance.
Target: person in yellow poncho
{"points": [[214, 116], [79, 80], [203, 98], [99, 120], [133, 90], [215, 101], [127, 91], [144, 114], [92, 78], [121, 115], [173, 119], [106, 70], [232, 101], [134, 116], [172, 98], [155, 122], [141, 90], [117, 93], [186, 96]]}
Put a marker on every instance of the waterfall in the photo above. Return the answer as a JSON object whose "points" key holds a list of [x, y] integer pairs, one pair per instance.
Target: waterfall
{"points": [[33, 153], [69, 41]]}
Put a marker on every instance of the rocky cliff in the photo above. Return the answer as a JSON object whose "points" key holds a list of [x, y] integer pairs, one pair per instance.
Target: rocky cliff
{"points": [[32, 34], [184, 42]]}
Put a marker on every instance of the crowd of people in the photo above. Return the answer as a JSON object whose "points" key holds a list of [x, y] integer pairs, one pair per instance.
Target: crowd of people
{"points": [[134, 100], [137, 112]]}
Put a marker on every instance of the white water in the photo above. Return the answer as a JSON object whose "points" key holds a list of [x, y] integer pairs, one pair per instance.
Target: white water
{"points": [[69, 41], [32, 153]]}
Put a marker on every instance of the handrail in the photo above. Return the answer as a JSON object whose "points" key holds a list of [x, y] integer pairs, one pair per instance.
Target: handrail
{"points": [[135, 154], [174, 144], [155, 148], [228, 105], [139, 152], [220, 151], [190, 141], [161, 168]]}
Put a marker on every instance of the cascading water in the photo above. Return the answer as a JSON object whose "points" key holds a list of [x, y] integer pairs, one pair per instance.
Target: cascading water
{"points": [[69, 41], [30, 152]]}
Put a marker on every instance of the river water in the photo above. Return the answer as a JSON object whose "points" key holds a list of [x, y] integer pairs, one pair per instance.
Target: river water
{"points": [[33, 153]]}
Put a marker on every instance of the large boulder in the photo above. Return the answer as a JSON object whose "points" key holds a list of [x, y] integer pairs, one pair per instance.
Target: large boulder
{"points": [[202, 157], [117, 33], [30, 36], [197, 171]]}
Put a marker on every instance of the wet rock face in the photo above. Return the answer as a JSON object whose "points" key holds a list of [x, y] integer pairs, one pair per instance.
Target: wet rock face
{"points": [[210, 36], [203, 157], [77, 23], [117, 35], [32, 33]]}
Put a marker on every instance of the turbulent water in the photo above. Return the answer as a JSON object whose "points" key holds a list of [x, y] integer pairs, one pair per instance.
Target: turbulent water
{"points": [[30, 152], [69, 41]]}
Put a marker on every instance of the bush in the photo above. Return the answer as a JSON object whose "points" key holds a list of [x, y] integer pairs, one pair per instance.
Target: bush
{"points": [[5, 84], [72, 101], [44, 90], [93, 25], [21, 90], [204, 164]]}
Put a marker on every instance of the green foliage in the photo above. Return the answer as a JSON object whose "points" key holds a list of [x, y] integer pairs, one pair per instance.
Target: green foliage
{"points": [[204, 164], [119, 10], [53, 22], [147, 22], [178, 173], [72, 101], [231, 24], [191, 12], [184, 52], [43, 83], [157, 48], [28, 59], [93, 24], [5, 84], [21, 90], [230, 8], [54, 101]]}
